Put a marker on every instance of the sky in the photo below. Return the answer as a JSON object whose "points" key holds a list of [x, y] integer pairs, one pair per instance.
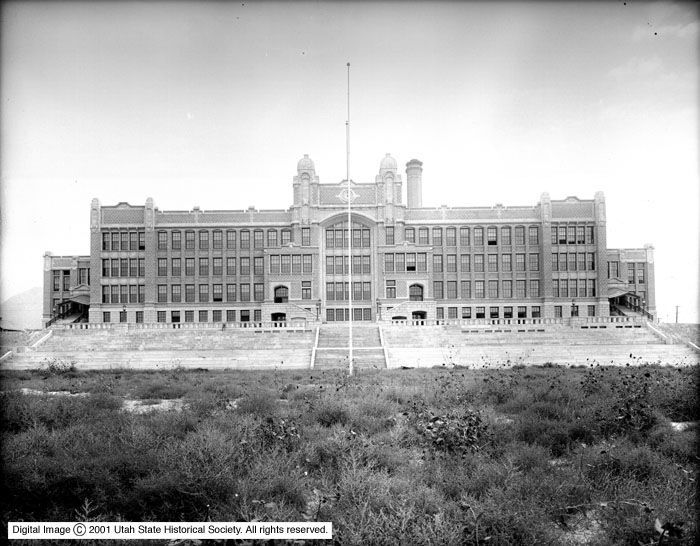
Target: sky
{"points": [[213, 103]]}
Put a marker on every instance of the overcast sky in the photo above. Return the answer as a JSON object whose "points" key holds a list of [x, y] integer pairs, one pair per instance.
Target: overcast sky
{"points": [[212, 104]]}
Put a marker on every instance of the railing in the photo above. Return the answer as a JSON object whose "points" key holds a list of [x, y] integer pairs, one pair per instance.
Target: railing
{"points": [[575, 321], [266, 326]]}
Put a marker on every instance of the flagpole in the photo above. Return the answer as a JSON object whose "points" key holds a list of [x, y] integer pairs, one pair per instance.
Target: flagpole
{"points": [[349, 189]]}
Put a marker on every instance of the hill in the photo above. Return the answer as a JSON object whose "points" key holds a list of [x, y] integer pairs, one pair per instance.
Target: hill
{"points": [[22, 311]]}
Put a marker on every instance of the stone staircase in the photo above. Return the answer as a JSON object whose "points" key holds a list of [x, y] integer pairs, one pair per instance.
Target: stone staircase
{"points": [[334, 340]]}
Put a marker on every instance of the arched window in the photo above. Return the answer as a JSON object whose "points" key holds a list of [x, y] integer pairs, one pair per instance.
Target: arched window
{"points": [[281, 294], [415, 292]]}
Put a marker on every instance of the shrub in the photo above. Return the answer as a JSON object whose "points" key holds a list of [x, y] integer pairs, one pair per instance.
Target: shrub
{"points": [[454, 433], [261, 403], [329, 412]]}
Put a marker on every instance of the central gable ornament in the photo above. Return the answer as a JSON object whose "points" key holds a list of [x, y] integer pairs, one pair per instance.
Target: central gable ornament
{"points": [[347, 196]]}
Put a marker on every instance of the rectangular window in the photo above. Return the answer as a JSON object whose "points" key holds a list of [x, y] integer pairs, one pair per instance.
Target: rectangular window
{"points": [[305, 236], [534, 262], [123, 271], [466, 287], [339, 241], [114, 293], [115, 241], [124, 236], [481, 312], [571, 235], [258, 265], [356, 265], [555, 261], [230, 315], [479, 263], [271, 237], [142, 293], [440, 313], [245, 266], [421, 262], [366, 265], [105, 295], [245, 315], [115, 267], [216, 315], [176, 267], [231, 292], [464, 236], [139, 317], [557, 311], [522, 312], [285, 264], [508, 312], [341, 265], [465, 263], [572, 261], [330, 243], [591, 310], [106, 316], [451, 237], [330, 291], [555, 288], [217, 292], [203, 293], [590, 259], [388, 263], [520, 262], [423, 235], [562, 262], [493, 262], [105, 273], [437, 263], [217, 239], [231, 239], [590, 285], [176, 293], [507, 262], [218, 266], [391, 289], [520, 289], [389, 235], [176, 240], [533, 235], [203, 316], [357, 291], [105, 240], [204, 267], [466, 312], [356, 238], [245, 240], [452, 263], [492, 236], [519, 235], [613, 269], [258, 292], [478, 236], [589, 235], [258, 238], [536, 311], [437, 290], [640, 273], [581, 261], [451, 312], [410, 235], [534, 288], [162, 267], [245, 292], [563, 288], [400, 262], [162, 293], [452, 290], [507, 289], [493, 312], [581, 288], [203, 240], [189, 240], [505, 236], [554, 240], [562, 235], [437, 236], [161, 316], [307, 264], [306, 290], [286, 237], [231, 265], [189, 267], [493, 289], [479, 287], [580, 236], [142, 240]]}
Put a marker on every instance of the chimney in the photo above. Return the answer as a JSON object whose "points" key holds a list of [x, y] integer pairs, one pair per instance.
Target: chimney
{"points": [[414, 184]]}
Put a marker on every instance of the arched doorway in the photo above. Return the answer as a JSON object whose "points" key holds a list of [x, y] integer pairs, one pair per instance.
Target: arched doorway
{"points": [[279, 317], [415, 292], [281, 294], [419, 315]]}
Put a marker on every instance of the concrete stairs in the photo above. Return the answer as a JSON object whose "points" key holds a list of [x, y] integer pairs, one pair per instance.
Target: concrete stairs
{"points": [[334, 340]]}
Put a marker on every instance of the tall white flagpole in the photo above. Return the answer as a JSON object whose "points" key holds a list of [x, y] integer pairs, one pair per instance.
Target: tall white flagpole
{"points": [[349, 190]]}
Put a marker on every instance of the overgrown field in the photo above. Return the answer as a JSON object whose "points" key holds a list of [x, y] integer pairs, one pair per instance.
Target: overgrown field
{"points": [[440, 456]]}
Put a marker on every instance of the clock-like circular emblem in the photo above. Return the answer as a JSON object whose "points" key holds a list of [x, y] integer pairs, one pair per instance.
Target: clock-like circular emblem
{"points": [[347, 195]]}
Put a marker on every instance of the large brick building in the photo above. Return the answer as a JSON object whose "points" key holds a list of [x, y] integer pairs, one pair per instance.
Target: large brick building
{"points": [[546, 260]]}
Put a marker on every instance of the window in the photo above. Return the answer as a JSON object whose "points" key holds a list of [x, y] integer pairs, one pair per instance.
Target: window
{"points": [[245, 315], [519, 289], [563, 288], [389, 235], [421, 263], [534, 288], [410, 235], [478, 236], [176, 267], [139, 317], [245, 266], [562, 235], [330, 243], [218, 266], [464, 236], [189, 267], [438, 290], [493, 289], [115, 267], [590, 285], [356, 265], [640, 273], [271, 237], [571, 235], [203, 293], [451, 312], [452, 290], [466, 312], [437, 263], [162, 293], [492, 236], [591, 310], [423, 234], [123, 270], [505, 236], [391, 289], [142, 293], [555, 261], [581, 261], [230, 239], [574, 310], [105, 316], [366, 265], [175, 293], [590, 259], [286, 237], [520, 262], [572, 261], [507, 262], [281, 294], [479, 289], [218, 292], [507, 289], [296, 264], [176, 238], [245, 240], [105, 295], [554, 240], [231, 292], [124, 236], [493, 262], [204, 316], [562, 262], [557, 311], [305, 236], [493, 312], [415, 292], [189, 240], [452, 263], [580, 236], [330, 290], [114, 292], [465, 263], [481, 312], [466, 287], [230, 315], [245, 292], [388, 263], [204, 267], [203, 240], [216, 315], [115, 241], [534, 262], [356, 238], [357, 291], [508, 312], [105, 240], [613, 269], [522, 311], [258, 265], [555, 288], [162, 267], [306, 290], [440, 313], [589, 235], [581, 288], [536, 311], [533, 235], [105, 273], [451, 238], [479, 263], [437, 236], [258, 238], [286, 264], [217, 239], [519, 235], [307, 264]]}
